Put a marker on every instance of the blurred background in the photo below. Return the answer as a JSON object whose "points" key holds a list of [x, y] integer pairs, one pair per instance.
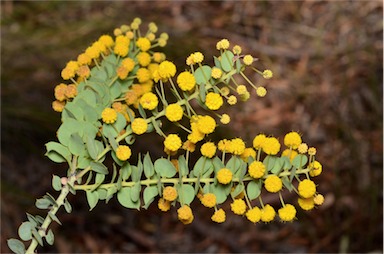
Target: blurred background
{"points": [[327, 61]]}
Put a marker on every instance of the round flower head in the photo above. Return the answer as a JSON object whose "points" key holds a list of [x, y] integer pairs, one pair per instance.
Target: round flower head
{"points": [[166, 70], [218, 216], [189, 146], [225, 119], [271, 146], [261, 91], [71, 91], [318, 199], [241, 89], [84, 59], [172, 142], [123, 152], [245, 96], [224, 145], [185, 215], [58, 106], [306, 203], [60, 92], [164, 205], [122, 72], [143, 75], [198, 57], [238, 146], [256, 169], [186, 81], [232, 100], [92, 52], [291, 154], [121, 45], [195, 136], [224, 176], [174, 112], [248, 152], [139, 126], [236, 49], [213, 101], [316, 168], [144, 59], [216, 73], [302, 148], [254, 214], [312, 151], [149, 101], [238, 206], [258, 141], [248, 59], [267, 213], [206, 124], [143, 43], [208, 149], [273, 183], [222, 44], [306, 188], [267, 74], [106, 40], [287, 213], [169, 193], [109, 115], [128, 63], [292, 139], [152, 27], [224, 91], [208, 200]]}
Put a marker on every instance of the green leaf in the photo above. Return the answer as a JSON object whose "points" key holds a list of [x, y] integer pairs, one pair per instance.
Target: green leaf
{"points": [[115, 90], [57, 152], [165, 168], [67, 206], [76, 144], [286, 163], [238, 189], [92, 147], [253, 189], [149, 195], [238, 66], [125, 171], [124, 198], [54, 218], [37, 236], [50, 238], [102, 193], [299, 161], [203, 74], [183, 167], [148, 166], [92, 198], [269, 162], [73, 111], [217, 62], [120, 123], [99, 179], [202, 94], [202, 165], [25, 231], [226, 60], [187, 193], [217, 164], [110, 192], [287, 184], [135, 192], [278, 166], [234, 164], [220, 192], [43, 203], [56, 183], [32, 220], [83, 162], [67, 128], [99, 167], [16, 246], [142, 112]]}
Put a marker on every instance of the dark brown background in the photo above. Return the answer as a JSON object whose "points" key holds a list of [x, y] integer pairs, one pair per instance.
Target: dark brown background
{"points": [[328, 85]]}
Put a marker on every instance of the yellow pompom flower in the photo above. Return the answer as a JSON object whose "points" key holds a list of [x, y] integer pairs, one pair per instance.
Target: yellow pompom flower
{"points": [[225, 119], [224, 91], [208, 149], [58, 106], [254, 214], [123, 152], [238, 146], [273, 183], [143, 43], [172, 142], [60, 92], [248, 152], [121, 45], [224, 176], [291, 154], [166, 70], [261, 91], [198, 57], [71, 91], [128, 63], [218, 216], [164, 205], [109, 115], [248, 59], [302, 148], [268, 213], [185, 214], [222, 44], [256, 169], [143, 75], [122, 72], [68, 73], [267, 74], [287, 213], [186, 81], [216, 73], [236, 49], [208, 200], [106, 40], [271, 146], [241, 89], [84, 59], [306, 188], [169, 193], [92, 52], [195, 136], [158, 57], [258, 141], [312, 151], [238, 206], [316, 168], [149, 101], [232, 100], [139, 126], [292, 139], [306, 203], [206, 124], [213, 101], [318, 199], [83, 71], [174, 112], [144, 59]]}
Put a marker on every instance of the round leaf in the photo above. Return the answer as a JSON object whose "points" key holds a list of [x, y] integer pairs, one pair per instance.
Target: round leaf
{"points": [[203, 74], [25, 231]]}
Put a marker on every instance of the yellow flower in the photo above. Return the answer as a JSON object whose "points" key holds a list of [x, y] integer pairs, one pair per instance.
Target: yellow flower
{"points": [[306, 188], [71, 91], [186, 81], [248, 152], [306, 203], [122, 72], [238, 146], [316, 168], [139, 126], [109, 115], [241, 89], [225, 119], [303, 148], [144, 59], [224, 145], [106, 40], [312, 151], [224, 176], [164, 205], [261, 91], [174, 112], [245, 96], [218, 216], [68, 73], [152, 27], [232, 100], [166, 70], [206, 124], [84, 59], [222, 44], [208, 149], [128, 63], [198, 57], [213, 101], [254, 214], [123, 152], [292, 140], [58, 106], [267, 213], [92, 52], [121, 45], [258, 141], [318, 199], [143, 43], [208, 200], [256, 169], [216, 73], [172, 142], [185, 214], [143, 75], [158, 57], [271, 146], [267, 74], [291, 154], [238, 206], [195, 136], [189, 146], [149, 101], [60, 92], [169, 193], [287, 213], [248, 59], [273, 184], [236, 49]]}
